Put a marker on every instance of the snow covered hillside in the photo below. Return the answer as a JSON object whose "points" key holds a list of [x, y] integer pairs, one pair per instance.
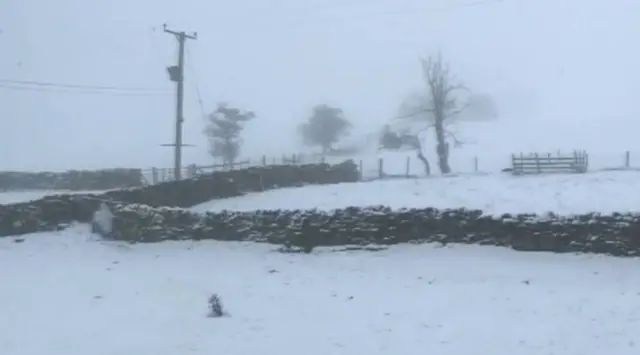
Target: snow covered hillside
{"points": [[494, 193], [66, 294]]}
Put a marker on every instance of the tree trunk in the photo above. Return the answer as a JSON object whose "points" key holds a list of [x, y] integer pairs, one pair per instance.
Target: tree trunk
{"points": [[423, 159], [414, 141], [442, 149]]}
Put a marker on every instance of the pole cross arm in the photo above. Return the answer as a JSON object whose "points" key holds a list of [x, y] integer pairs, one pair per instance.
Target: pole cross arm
{"points": [[194, 35], [173, 145]]}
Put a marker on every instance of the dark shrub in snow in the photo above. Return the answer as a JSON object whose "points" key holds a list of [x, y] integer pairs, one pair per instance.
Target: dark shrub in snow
{"points": [[215, 306]]}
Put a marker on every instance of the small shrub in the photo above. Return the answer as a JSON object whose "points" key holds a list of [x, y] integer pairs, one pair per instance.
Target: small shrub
{"points": [[216, 309]]}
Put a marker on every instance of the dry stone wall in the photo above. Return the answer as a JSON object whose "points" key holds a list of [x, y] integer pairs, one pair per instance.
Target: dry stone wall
{"points": [[225, 184], [54, 212], [74, 180], [615, 234], [157, 213]]}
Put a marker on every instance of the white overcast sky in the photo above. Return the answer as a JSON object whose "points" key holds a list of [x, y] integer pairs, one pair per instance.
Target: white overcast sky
{"points": [[570, 60]]}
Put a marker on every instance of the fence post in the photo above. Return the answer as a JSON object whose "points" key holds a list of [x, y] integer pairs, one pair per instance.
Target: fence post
{"points": [[380, 167], [475, 164], [192, 170], [154, 175], [586, 159], [407, 166], [627, 159], [537, 163]]}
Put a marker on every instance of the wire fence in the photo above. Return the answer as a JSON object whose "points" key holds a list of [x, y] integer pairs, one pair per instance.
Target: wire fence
{"points": [[157, 175], [389, 165]]}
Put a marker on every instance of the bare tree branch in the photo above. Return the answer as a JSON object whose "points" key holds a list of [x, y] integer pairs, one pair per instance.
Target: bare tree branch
{"points": [[413, 114], [458, 111], [426, 128], [454, 138]]}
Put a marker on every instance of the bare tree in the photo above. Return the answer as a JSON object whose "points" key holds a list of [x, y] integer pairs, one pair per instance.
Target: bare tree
{"points": [[445, 106], [223, 131], [416, 107], [414, 119], [417, 145], [393, 140], [437, 108]]}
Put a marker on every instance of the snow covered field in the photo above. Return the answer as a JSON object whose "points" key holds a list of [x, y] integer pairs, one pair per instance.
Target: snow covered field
{"points": [[610, 191], [66, 294]]}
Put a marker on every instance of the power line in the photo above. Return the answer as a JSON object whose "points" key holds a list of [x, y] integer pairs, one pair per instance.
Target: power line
{"points": [[450, 6], [195, 81], [43, 84], [68, 91], [56, 90], [468, 4], [376, 9]]}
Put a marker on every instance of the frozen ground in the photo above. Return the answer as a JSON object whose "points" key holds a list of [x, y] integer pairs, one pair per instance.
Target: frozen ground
{"points": [[66, 294], [610, 191]]}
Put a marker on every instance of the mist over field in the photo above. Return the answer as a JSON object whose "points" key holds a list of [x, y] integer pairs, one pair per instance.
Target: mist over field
{"points": [[483, 155], [563, 74]]}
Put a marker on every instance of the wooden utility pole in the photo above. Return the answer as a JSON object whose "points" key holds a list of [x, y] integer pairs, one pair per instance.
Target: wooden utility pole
{"points": [[176, 74]]}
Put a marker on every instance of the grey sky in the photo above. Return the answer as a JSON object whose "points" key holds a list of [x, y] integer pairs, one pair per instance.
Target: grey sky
{"points": [[568, 60]]}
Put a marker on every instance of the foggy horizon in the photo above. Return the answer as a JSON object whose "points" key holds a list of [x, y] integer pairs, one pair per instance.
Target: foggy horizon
{"points": [[567, 63]]}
